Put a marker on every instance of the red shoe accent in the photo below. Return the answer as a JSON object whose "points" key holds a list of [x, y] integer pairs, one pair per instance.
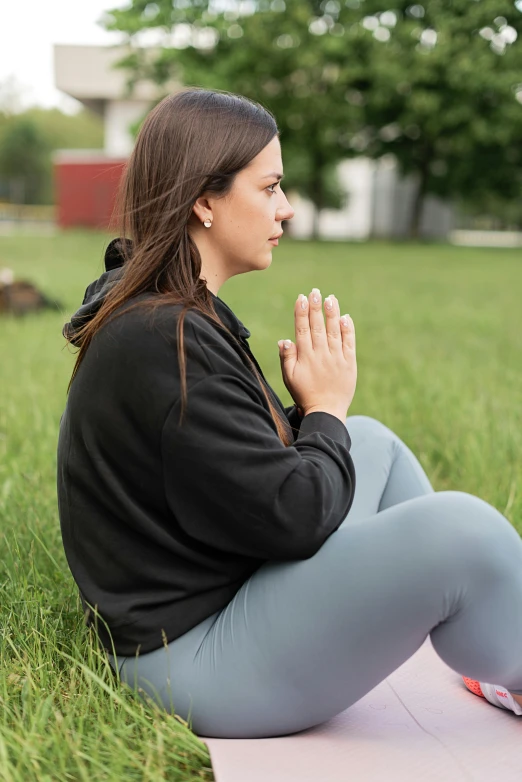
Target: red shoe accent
{"points": [[473, 686]]}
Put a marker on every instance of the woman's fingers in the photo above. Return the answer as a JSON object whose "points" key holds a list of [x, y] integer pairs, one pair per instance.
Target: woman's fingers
{"points": [[310, 331], [333, 325], [303, 337], [348, 334], [317, 327]]}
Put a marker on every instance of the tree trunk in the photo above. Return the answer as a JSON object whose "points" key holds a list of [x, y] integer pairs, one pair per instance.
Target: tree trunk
{"points": [[418, 202]]}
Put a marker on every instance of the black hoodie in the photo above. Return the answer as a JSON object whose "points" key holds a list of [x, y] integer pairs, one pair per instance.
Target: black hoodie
{"points": [[163, 523]]}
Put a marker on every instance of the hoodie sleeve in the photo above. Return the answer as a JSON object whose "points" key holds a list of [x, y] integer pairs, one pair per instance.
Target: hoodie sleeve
{"points": [[294, 419], [232, 484]]}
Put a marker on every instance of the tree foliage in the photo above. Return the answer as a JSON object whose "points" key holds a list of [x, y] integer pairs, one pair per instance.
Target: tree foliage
{"points": [[437, 84], [443, 93], [83, 130], [24, 157], [27, 142]]}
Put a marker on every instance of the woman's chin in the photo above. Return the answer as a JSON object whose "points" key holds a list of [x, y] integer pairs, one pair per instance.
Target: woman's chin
{"points": [[264, 260]]}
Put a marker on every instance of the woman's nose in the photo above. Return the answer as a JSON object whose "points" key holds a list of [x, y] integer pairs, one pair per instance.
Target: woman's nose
{"points": [[286, 212]]}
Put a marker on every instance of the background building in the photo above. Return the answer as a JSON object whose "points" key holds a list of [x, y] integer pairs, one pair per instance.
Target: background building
{"points": [[86, 179]]}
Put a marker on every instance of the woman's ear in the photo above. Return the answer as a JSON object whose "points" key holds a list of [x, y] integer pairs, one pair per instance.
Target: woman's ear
{"points": [[201, 210]]}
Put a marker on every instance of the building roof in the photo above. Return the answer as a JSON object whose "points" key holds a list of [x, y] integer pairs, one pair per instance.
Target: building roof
{"points": [[88, 157], [87, 73]]}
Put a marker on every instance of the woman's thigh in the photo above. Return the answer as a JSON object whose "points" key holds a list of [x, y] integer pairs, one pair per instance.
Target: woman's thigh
{"points": [[303, 640], [387, 472]]}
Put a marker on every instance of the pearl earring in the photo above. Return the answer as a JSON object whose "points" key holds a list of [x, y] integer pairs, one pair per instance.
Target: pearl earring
{"points": [[207, 223]]}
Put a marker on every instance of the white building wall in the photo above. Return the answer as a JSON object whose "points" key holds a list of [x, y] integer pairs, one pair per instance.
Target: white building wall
{"points": [[354, 221], [300, 226], [393, 205], [379, 204], [384, 187], [438, 218], [119, 115]]}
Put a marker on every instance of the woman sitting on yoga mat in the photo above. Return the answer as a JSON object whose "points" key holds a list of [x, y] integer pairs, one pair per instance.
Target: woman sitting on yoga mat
{"points": [[231, 566]]}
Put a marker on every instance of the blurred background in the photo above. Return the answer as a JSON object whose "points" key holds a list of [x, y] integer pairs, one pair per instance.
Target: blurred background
{"points": [[397, 119], [401, 136]]}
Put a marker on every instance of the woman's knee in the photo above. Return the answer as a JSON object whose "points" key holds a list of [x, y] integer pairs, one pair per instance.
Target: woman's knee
{"points": [[459, 524], [364, 420], [360, 425]]}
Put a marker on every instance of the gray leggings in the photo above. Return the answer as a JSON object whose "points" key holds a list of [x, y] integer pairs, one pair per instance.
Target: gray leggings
{"points": [[303, 640]]}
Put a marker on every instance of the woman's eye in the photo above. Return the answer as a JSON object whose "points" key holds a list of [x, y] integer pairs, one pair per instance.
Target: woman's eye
{"points": [[274, 185]]}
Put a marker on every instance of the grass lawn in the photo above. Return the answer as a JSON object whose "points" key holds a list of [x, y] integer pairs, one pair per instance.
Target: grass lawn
{"points": [[439, 347]]}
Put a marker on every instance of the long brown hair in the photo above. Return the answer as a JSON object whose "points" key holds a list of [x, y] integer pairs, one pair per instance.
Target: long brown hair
{"points": [[192, 142]]}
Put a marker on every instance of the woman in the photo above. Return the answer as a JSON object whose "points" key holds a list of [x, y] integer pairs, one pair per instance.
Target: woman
{"points": [[230, 567]]}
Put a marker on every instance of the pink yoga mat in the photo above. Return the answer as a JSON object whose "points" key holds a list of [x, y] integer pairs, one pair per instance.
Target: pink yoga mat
{"points": [[420, 723]]}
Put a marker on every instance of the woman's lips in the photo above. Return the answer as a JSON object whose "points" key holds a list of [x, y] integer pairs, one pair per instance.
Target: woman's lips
{"points": [[275, 242]]}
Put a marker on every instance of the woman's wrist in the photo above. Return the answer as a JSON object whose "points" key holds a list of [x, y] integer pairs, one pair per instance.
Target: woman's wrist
{"points": [[337, 413]]}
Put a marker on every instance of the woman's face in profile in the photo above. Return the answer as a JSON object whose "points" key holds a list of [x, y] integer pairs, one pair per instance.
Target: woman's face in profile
{"points": [[242, 223]]}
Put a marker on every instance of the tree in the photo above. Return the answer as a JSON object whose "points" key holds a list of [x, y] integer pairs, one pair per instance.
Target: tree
{"points": [[27, 141], [442, 92], [24, 161], [83, 130], [438, 84]]}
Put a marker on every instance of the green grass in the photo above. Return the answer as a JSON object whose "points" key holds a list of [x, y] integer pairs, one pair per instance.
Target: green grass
{"points": [[439, 347]]}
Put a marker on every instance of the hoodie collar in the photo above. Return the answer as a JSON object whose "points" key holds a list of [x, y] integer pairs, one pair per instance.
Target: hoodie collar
{"points": [[229, 318], [97, 291]]}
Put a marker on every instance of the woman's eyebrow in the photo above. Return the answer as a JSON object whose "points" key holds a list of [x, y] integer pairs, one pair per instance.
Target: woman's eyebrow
{"points": [[274, 174]]}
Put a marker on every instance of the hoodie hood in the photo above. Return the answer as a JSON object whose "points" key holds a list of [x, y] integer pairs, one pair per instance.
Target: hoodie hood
{"points": [[98, 290]]}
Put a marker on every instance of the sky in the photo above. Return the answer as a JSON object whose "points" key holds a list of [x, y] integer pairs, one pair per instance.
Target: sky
{"points": [[27, 34]]}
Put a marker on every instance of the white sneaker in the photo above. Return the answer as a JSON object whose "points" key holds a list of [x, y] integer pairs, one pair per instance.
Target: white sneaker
{"points": [[495, 694]]}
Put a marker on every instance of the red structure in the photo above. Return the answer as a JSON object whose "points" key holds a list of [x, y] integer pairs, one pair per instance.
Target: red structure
{"points": [[86, 188]]}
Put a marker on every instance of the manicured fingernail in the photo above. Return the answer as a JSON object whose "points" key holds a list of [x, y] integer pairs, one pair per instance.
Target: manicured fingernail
{"points": [[287, 343], [303, 300], [328, 303], [345, 321], [316, 295]]}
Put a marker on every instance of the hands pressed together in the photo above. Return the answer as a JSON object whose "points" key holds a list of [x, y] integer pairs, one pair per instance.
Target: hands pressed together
{"points": [[320, 369]]}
